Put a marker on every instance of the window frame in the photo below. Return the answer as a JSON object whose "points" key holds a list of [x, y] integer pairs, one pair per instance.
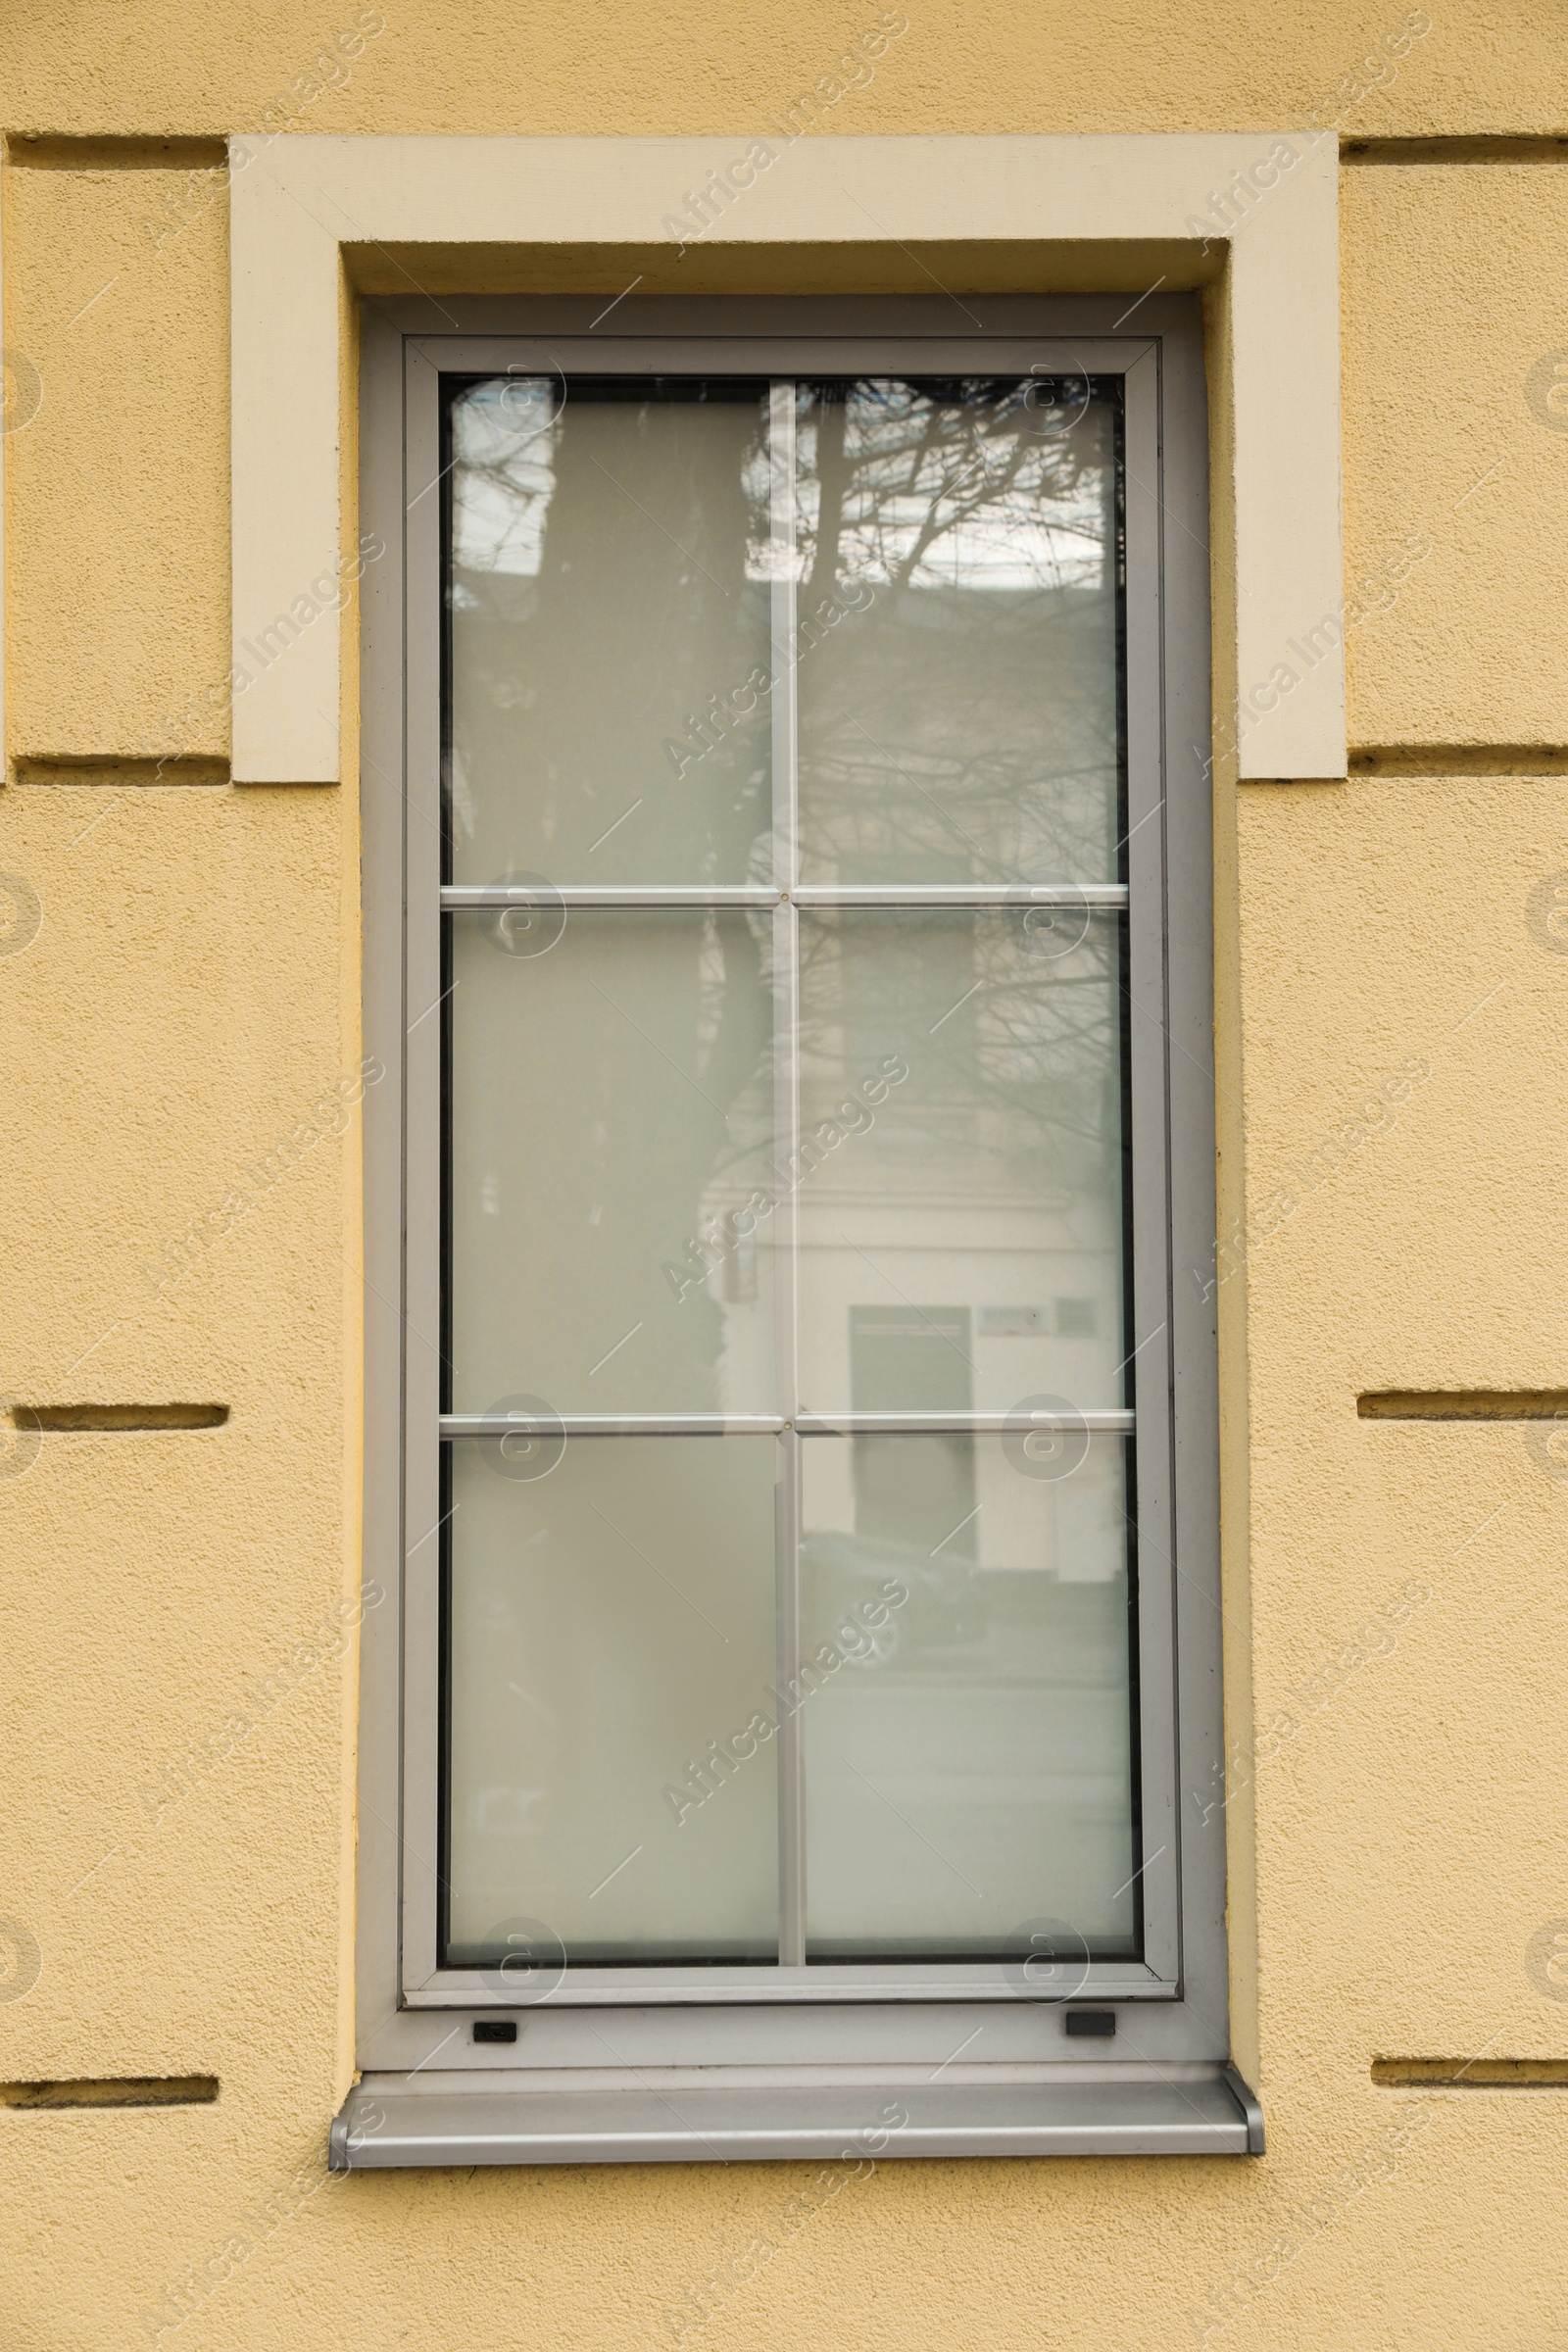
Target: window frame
{"points": [[760, 2016]]}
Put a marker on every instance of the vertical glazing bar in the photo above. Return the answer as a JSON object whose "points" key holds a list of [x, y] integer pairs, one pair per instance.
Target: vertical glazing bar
{"points": [[790, 1759], [786, 1110], [781, 465]]}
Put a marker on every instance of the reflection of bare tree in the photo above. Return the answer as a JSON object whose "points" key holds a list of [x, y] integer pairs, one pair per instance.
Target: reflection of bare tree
{"points": [[618, 586], [1015, 1063], [968, 725], [637, 586], [961, 724]]}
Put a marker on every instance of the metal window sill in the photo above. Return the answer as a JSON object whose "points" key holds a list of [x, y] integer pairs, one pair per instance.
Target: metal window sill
{"points": [[389, 2122]]}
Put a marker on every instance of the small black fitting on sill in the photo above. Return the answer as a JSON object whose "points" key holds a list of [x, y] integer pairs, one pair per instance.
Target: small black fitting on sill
{"points": [[495, 2029], [1101, 2023]]}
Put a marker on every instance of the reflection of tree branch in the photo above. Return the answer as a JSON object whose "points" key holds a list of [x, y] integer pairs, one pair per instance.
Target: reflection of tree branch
{"points": [[1026, 1069], [514, 496], [967, 721], [833, 474], [984, 668], [947, 514]]}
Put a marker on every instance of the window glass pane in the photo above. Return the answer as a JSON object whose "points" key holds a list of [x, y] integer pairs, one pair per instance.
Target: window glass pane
{"points": [[968, 1750], [610, 631], [616, 1172], [958, 631], [608, 1155], [611, 1616], [960, 1186]]}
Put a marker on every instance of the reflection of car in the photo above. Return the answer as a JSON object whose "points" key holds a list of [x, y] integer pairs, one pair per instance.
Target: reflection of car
{"points": [[844, 1577]]}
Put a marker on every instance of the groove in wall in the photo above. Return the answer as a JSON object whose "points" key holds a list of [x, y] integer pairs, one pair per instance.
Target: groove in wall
{"points": [[49, 151], [121, 2090], [105, 768], [1533, 147], [1463, 1405], [1460, 760], [121, 1416], [1472, 2074]]}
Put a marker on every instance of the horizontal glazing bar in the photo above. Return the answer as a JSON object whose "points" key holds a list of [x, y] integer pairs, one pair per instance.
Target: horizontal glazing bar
{"points": [[1105, 1421], [610, 1425], [963, 894], [1097, 1421], [459, 897]]}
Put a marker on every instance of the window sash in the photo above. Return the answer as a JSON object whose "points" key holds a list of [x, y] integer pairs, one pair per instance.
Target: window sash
{"points": [[1152, 1303]]}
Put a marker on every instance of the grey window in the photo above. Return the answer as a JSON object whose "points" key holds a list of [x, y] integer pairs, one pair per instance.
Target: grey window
{"points": [[791, 1368]]}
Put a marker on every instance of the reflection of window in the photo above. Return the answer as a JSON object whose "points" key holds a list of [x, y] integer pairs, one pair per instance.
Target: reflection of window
{"points": [[1077, 1318], [959, 716], [912, 1356], [786, 1120], [897, 980]]}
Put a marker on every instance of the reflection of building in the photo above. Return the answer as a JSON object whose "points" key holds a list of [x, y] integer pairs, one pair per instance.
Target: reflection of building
{"points": [[960, 1240]]}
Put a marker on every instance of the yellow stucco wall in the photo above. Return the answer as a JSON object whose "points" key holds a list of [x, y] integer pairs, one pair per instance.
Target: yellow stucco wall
{"points": [[191, 995]]}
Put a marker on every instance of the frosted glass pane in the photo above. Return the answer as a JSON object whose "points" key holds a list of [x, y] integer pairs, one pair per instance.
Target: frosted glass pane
{"points": [[610, 631], [957, 661], [968, 1781], [610, 1116], [960, 1189], [610, 1620]]}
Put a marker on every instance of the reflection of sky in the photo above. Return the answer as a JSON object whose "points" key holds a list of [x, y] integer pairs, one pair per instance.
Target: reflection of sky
{"points": [[1044, 524], [502, 447], [1002, 546], [1013, 508]]}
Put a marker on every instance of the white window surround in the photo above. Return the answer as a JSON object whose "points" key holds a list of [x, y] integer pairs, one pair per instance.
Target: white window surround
{"points": [[1255, 213]]}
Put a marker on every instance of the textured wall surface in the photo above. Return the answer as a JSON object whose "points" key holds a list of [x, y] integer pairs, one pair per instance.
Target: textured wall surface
{"points": [[1453, 294], [190, 999]]}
